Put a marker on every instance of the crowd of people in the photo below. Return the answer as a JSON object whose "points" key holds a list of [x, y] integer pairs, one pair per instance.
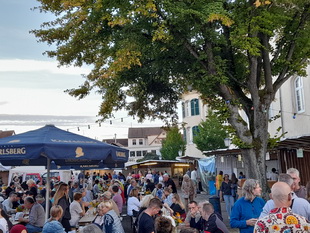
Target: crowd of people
{"points": [[154, 204]]}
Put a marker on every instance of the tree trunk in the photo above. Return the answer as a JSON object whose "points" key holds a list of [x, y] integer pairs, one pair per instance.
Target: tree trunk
{"points": [[255, 157], [255, 168]]}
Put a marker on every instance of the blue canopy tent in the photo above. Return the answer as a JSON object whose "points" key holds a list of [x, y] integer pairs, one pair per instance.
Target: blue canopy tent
{"points": [[49, 143]]}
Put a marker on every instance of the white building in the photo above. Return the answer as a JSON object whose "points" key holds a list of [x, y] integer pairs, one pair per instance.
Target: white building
{"points": [[193, 112], [144, 140]]}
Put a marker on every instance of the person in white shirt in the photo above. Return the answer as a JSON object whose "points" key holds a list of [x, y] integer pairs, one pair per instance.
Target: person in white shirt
{"points": [[133, 203], [5, 224], [194, 176], [76, 210]]}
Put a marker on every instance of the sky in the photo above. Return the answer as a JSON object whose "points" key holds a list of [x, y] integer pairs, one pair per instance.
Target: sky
{"points": [[32, 86]]}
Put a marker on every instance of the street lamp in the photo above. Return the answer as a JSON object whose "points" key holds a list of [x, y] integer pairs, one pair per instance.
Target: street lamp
{"points": [[227, 142]]}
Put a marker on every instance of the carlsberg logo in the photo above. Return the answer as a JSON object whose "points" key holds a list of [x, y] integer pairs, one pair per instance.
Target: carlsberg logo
{"points": [[13, 151]]}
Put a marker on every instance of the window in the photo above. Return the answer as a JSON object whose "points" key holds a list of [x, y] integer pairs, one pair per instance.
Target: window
{"points": [[194, 107], [189, 134], [144, 152], [186, 109], [299, 95], [153, 152], [140, 141], [134, 142], [132, 154], [139, 153], [184, 135], [183, 109], [195, 131]]}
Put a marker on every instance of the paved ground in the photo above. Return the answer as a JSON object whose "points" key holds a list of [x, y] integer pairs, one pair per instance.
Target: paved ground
{"points": [[200, 197]]}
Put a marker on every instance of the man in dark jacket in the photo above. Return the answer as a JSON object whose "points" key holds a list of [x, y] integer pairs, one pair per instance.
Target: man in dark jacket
{"points": [[212, 223], [169, 183]]}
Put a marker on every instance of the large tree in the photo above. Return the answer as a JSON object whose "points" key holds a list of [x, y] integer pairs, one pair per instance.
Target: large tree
{"points": [[236, 53]]}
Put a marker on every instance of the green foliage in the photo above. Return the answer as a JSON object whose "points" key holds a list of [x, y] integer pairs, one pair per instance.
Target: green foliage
{"points": [[211, 134], [172, 144]]}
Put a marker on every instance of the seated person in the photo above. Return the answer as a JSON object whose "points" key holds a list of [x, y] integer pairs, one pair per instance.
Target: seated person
{"points": [[8, 203], [76, 210], [177, 207], [53, 225], [193, 218], [213, 223], [36, 216], [163, 225], [133, 203]]}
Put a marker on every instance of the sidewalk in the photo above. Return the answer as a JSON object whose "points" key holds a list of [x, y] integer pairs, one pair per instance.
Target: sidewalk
{"points": [[204, 197]]}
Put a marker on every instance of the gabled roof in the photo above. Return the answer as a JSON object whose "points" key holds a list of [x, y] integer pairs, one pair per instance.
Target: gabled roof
{"points": [[7, 133], [144, 132], [121, 142]]}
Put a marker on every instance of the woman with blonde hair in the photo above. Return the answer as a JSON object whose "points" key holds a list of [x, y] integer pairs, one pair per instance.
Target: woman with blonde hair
{"points": [[177, 207], [111, 222], [61, 198], [188, 189], [53, 225]]}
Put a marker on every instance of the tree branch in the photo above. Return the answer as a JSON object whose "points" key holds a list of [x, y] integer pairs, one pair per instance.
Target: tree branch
{"points": [[266, 63], [235, 118], [282, 76]]}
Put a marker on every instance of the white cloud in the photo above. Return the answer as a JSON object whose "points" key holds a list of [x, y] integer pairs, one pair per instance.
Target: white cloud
{"points": [[20, 65]]}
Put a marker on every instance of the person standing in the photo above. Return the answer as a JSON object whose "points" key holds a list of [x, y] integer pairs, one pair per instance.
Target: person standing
{"points": [[194, 177], [226, 195], [274, 175], [188, 189], [281, 218], [188, 172], [234, 186], [146, 220], [247, 209], [299, 190], [218, 182]]}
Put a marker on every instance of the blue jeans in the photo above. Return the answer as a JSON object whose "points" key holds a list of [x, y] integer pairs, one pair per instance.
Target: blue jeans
{"points": [[32, 228], [229, 202]]}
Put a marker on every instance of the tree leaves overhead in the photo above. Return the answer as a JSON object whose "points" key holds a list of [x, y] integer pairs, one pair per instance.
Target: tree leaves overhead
{"points": [[152, 50]]}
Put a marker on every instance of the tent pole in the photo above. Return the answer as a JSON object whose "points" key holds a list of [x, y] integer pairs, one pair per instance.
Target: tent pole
{"points": [[48, 187]]}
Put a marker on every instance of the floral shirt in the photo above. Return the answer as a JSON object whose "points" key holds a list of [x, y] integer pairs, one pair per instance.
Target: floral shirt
{"points": [[282, 220]]}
